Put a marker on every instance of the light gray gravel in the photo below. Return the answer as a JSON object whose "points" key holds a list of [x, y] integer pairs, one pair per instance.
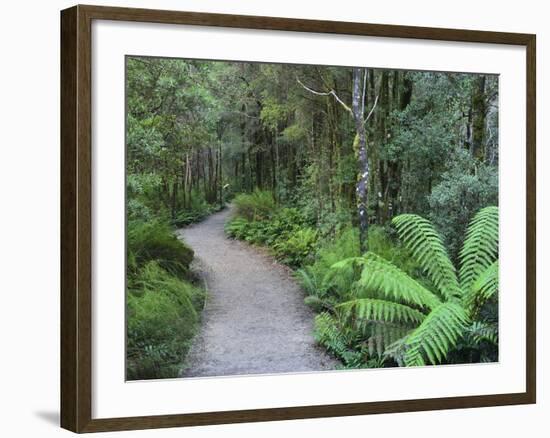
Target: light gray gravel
{"points": [[255, 320]]}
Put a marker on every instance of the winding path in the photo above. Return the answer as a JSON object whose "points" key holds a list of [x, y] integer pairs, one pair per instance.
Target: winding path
{"points": [[255, 320]]}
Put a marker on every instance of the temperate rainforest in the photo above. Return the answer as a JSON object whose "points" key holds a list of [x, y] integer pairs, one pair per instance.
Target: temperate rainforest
{"points": [[299, 218]]}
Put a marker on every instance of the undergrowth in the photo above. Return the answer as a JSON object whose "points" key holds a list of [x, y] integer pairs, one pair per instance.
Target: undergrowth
{"points": [[163, 304]]}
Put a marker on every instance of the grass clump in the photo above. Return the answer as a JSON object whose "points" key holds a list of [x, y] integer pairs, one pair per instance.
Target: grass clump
{"points": [[155, 241], [163, 304], [257, 205]]}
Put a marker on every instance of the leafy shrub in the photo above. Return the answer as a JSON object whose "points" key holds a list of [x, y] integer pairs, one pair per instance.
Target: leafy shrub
{"points": [[196, 210], [162, 318], [257, 205], [339, 340], [144, 191], [237, 228], [155, 241], [298, 248], [138, 211], [283, 224], [463, 190], [316, 303], [314, 278], [272, 231]]}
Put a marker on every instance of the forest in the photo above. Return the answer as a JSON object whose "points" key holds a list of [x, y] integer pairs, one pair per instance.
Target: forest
{"points": [[378, 189]]}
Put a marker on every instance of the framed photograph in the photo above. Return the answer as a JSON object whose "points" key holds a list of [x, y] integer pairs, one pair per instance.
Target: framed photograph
{"points": [[269, 218]]}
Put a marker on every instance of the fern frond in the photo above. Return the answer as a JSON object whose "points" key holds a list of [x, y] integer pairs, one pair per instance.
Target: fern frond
{"points": [[342, 275], [396, 350], [383, 335], [480, 248], [329, 334], [368, 309], [308, 281], [440, 331], [419, 235], [483, 331], [483, 288], [382, 278]]}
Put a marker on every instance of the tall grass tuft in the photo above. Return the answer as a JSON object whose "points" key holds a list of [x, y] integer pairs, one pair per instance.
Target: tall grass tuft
{"points": [[163, 306], [257, 205]]}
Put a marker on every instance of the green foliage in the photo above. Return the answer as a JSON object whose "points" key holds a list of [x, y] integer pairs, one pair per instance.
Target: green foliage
{"points": [[380, 278], [484, 332], [195, 211], [316, 303], [439, 332], [237, 228], [403, 320], [480, 248], [483, 289], [155, 241], [364, 310], [426, 246], [162, 318], [257, 205], [316, 278], [163, 305], [200, 131], [298, 248], [463, 190], [338, 339], [283, 230]]}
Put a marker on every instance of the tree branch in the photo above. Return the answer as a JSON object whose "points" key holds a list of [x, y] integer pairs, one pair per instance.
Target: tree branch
{"points": [[328, 93], [371, 110], [364, 91]]}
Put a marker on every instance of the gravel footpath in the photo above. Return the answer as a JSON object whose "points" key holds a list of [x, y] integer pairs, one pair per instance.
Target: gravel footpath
{"points": [[255, 320]]}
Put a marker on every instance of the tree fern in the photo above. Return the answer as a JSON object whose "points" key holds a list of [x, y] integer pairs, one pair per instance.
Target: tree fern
{"points": [[382, 335], [342, 275], [419, 235], [483, 331], [405, 322], [438, 333], [480, 247], [483, 288], [308, 281], [381, 278], [368, 309]]}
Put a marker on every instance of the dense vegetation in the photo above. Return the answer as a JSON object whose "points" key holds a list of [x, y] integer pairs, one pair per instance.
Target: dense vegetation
{"points": [[378, 187], [163, 303]]}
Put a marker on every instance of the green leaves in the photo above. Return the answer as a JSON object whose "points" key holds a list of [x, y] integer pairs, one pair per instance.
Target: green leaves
{"points": [[436, 336], [381, 278], [480, 247], [485, 286], [404, 321], [419, 235], [368, 309]]}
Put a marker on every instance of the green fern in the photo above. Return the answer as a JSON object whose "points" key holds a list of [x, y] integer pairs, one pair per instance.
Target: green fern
{"points": [[382, 335], [308, 281], [381, 278], [328, 333], [484, 332], [368, 309], [480, 247], [419, 235], [437, 334], [403, 320], [485, 287]]}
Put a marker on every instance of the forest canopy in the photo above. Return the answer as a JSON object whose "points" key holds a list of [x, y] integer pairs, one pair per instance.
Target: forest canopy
{"points": [[378, 187]]}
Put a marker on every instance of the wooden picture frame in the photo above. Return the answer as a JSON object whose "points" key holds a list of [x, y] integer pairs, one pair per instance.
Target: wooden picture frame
{"points": [[76, 218]]}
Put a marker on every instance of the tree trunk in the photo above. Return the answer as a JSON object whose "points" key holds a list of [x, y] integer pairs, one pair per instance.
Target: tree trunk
{"points": [[479, 109], [363, 177]]}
